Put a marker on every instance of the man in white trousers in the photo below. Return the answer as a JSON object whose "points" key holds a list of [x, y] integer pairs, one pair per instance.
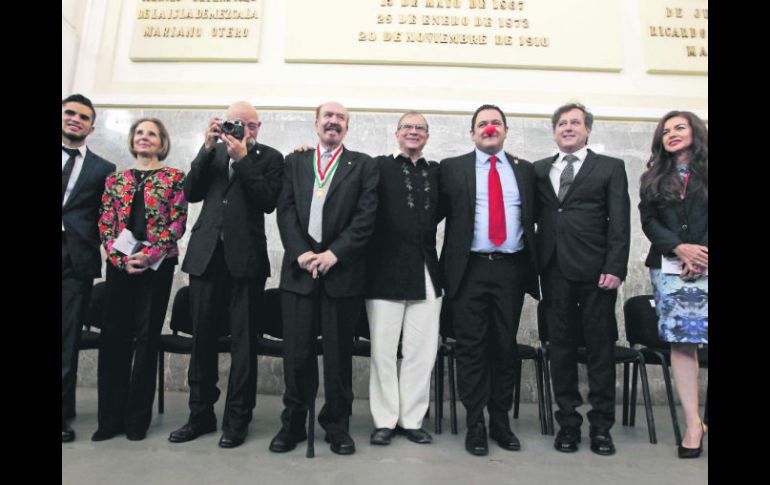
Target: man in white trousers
{"points": [[403, 289]]}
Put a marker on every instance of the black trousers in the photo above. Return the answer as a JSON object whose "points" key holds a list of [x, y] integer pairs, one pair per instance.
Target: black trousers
{"points": [[302, 318], [135, 308], [75, 294], [574, 310], [217, 298], [485, 314]]}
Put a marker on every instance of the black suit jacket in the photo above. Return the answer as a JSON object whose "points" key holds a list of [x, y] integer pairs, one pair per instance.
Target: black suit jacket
{"points": [[590, 230], [80, 215], [236, 207], [458, 202], [670, 223], [348, 221]]}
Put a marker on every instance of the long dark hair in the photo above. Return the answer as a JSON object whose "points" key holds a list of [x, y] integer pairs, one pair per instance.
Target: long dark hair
{"points": [[661, 180]]}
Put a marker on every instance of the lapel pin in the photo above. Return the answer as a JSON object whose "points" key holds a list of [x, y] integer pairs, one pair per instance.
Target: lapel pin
{"points": [[257, 152]]}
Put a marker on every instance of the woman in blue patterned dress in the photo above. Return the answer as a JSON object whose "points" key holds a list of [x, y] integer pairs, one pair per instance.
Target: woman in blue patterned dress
{"points": [[674, 215]]}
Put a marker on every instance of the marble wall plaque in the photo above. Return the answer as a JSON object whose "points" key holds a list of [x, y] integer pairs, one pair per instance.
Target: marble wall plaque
{"points": [[568, 34], [196, 30], [675, 36]]}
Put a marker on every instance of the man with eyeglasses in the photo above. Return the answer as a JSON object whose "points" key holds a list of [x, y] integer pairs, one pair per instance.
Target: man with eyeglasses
{"points": [[83, 174], [403, 287], [238, 181], [489, 263]]}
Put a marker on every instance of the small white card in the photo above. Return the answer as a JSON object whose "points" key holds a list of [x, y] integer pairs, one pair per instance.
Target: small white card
{"points": [[127, 244]]}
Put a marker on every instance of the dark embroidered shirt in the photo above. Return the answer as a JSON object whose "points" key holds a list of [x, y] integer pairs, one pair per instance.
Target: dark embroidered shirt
{"points": [[404, 239]]}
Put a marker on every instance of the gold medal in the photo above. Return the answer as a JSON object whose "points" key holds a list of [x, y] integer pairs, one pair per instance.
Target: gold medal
{"points": [[320, 192]]}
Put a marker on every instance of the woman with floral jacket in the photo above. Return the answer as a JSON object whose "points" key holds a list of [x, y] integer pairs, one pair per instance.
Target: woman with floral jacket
{"points": [[143, 215]]}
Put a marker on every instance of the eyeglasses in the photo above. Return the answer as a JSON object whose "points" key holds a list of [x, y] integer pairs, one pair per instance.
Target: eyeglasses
{"points": [[408, 127]]}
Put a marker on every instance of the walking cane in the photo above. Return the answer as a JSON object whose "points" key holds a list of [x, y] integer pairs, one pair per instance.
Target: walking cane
{"points": [[313, 388]]}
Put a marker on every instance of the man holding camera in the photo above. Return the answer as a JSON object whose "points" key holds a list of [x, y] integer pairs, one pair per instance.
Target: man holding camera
{"points": [[238, 181]]}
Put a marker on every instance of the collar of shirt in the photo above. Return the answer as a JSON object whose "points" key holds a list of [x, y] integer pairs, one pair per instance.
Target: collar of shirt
{"points": [[81, 149], [580, 154], [483, 157], [399, 153]]}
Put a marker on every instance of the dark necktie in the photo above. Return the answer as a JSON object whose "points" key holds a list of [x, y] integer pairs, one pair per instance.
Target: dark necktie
{"points": [[567, 175], [497, 232], [66, 172]]}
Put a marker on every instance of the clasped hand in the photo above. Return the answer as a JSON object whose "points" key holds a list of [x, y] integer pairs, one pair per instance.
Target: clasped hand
{"points": [[137, 263], [317, 263], [695, 258]]}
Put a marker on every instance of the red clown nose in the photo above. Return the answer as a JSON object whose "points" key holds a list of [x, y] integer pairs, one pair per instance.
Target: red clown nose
{"points": [[490, 130]]}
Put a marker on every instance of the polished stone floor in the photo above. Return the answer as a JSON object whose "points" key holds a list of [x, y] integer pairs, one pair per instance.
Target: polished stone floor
{"points": [[157, 461]]}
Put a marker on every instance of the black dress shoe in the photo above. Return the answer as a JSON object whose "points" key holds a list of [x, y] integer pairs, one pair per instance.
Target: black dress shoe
{"points": [[567, 439], [341, 443], [136, 435], [381, 436], [102, 434], [418, 435], [232, 438], [685, 452], [284, 441], [601, 443], [476, 440], [190, 431], [67, 433], [506, 439]]}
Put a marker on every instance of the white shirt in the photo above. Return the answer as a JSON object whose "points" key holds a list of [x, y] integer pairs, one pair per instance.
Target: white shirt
{"points": [[75, 169], [559, 165], [75, 172]]}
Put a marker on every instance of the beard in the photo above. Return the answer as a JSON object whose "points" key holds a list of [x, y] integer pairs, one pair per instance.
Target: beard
{"points": [[72, 137], [251, 143]]}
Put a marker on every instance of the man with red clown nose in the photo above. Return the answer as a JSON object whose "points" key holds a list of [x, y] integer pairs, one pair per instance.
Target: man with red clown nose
{"points": [[488, 263]]}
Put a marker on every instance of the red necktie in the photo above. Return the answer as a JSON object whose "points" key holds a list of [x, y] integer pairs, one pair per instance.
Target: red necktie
{"points": [[497, 232]]}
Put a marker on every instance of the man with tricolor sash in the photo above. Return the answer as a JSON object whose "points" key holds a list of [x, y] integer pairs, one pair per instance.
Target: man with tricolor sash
{"points": [[326, 214]]}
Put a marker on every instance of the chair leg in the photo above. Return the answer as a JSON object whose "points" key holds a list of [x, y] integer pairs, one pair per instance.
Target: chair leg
{"points": [[547, 387], [632, 404], [540, 398], [670, 396], [161, 381], [647, 400], [625, 394], [438, 391], [517, 391], [452, 393]]}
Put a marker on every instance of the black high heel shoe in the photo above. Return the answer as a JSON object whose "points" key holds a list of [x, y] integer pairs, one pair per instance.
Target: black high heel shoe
{"points": [[685, 452]]}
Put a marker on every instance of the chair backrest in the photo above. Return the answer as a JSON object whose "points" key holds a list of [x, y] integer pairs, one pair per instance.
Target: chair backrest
{"points": [[642, 322], [95, 311], [181, 319], [270, 318]]}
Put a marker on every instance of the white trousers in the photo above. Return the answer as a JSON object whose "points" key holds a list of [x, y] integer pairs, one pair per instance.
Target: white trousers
{"points": [[402, 399]]}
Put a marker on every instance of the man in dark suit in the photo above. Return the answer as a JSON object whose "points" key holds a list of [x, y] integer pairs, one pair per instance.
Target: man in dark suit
{"points": [[238, 181], [326, 214], [83, 175], [583, 241], [488, 263]]}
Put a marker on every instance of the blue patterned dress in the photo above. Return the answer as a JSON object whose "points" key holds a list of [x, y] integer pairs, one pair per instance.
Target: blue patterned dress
{"points": [[682, 306]]}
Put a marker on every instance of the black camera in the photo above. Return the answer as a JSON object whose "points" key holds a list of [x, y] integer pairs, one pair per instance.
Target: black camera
{"points": [[233, 128]]}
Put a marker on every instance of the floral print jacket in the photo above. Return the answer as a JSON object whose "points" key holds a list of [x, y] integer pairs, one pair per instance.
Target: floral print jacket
{"points": [[165, 212]]}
